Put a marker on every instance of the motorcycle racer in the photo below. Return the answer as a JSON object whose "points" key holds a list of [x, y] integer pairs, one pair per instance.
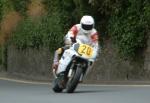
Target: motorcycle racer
{"points": [[85, 32]]}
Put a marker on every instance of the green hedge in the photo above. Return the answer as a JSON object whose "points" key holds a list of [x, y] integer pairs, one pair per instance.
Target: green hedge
{"points": [[64, 8], [45, 32], [13, 5], [129, 26], [20, 5], [0, 10]]}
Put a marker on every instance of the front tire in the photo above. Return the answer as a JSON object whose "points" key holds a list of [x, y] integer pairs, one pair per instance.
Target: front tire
{"points": [[74, 80]]}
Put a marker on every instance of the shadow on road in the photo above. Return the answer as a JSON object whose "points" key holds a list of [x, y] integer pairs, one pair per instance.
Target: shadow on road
{"points": [[93, 91]]}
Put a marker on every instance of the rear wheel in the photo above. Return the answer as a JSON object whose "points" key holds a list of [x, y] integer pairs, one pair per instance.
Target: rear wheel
{"points": [[58, 83], [56, 87], [74, 80]]}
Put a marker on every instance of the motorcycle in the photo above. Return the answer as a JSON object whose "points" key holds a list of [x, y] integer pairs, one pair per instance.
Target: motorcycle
{"points": [[83, 56]]}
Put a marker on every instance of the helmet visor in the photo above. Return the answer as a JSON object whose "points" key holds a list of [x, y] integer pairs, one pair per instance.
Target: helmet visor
{"points": [[87, 27]]}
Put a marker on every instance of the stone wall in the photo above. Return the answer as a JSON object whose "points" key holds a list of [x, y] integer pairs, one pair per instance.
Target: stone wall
{"points": [[29, 63], [109, 66], [36, 64], [0, 68], [147, 57]]}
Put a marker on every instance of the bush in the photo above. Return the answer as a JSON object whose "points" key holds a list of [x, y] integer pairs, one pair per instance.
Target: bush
{"points": [[45, 32], [65, 10], [0, 10], [147, 13], [20, 5], [128, 27]]}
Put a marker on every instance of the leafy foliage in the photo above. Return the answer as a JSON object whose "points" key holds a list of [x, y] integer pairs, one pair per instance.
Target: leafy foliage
{"points": [[6, 6], [45, 32], [20, 5], [64, 9], [128, 27], [1, 5]]}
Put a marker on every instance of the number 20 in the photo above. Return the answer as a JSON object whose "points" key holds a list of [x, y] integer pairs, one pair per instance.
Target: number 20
{"points": [[86, 50]]}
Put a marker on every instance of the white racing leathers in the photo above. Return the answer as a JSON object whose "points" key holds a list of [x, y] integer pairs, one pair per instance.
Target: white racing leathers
{"points": [[77, 34]]}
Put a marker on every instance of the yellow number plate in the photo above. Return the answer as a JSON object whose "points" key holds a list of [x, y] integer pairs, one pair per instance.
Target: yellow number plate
{"points": [[85, 50]]}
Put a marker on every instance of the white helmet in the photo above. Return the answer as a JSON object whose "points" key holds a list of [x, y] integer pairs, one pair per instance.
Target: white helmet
{"points": [[87, 23]]}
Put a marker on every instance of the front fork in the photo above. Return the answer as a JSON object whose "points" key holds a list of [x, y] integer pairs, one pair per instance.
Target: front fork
{"points": [[70, 73], [71, 70]]}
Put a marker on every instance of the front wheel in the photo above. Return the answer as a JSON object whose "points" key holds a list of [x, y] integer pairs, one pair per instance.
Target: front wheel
{"points": [[74, 80]]}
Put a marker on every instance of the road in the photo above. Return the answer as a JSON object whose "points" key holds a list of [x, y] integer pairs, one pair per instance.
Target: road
{"points": [[22, 92]]}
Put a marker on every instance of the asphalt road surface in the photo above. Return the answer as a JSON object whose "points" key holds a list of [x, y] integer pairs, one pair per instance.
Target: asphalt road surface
{"points": [[21, 92]]}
